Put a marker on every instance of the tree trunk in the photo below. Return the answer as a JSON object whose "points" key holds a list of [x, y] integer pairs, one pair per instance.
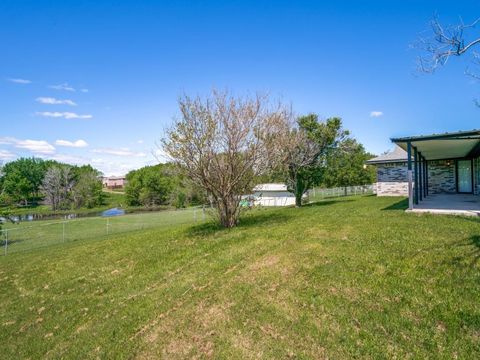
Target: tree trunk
{"points": [[299, 190], [298, 199], [228, 212]]}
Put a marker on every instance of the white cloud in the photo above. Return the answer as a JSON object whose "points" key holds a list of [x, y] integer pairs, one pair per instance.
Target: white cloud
{"points": [[119, 152], [6, 140], [63, 86], [69, 159], [84, 90], [20, 81], [66, 115], [140, 141], [75, 144], [116, 168], [35, 146], [376, 113], [6, 155], [53, 101]]}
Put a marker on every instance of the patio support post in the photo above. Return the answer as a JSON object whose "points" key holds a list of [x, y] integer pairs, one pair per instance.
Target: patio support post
{"points": [[415, 164], [409, 175], [426, 174], [420, 176], [425, 182]]}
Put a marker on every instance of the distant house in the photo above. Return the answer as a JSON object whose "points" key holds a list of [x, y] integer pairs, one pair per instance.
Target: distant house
{"points": [[273, 195], [114, 182]]}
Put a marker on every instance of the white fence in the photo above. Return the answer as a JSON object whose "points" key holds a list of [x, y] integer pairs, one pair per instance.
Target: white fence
{"points": [[316, 194]]}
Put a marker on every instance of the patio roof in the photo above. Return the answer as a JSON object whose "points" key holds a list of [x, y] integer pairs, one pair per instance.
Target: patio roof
{"points": [[444, 146]]}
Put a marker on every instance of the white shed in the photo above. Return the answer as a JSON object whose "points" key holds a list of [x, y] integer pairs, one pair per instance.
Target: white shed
{"points": [[273, 195]]}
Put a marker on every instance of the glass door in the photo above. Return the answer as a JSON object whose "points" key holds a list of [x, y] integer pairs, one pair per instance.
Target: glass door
{"points": [[464, 176]]}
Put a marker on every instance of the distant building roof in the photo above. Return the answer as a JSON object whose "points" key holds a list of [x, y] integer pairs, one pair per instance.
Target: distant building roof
{"points": [[270, 187], [396, 155], [114, 177]]}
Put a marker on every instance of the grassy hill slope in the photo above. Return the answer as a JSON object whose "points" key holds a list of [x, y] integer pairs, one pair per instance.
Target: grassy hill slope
{"points": [[353, 277]]}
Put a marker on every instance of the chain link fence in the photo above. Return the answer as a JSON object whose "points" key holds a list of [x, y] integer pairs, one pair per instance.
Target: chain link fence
{"points": [[29, 235]]}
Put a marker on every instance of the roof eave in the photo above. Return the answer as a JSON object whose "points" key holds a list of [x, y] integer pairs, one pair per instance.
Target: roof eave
{"points": [[460, 135], [373, 162]]}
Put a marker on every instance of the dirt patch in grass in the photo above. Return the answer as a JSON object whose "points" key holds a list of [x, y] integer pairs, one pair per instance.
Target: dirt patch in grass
{"points": [[264, 263], [246, 346], [200, 324]]}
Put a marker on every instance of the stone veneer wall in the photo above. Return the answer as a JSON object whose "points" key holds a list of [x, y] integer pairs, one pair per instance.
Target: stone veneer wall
{"points": [[441, 177], [392, 179]]}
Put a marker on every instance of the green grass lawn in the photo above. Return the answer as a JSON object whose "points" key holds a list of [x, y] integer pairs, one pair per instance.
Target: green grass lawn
{"points": [[353, 277]]}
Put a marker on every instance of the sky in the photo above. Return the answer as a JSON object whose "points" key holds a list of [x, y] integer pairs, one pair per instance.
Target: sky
{"points": [[98, 81]]}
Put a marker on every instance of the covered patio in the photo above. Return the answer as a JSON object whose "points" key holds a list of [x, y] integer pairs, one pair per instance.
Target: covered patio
{"points": [[453, 204], [443, 172]]}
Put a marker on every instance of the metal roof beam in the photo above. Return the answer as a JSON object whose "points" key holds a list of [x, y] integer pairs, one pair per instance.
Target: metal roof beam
{"points": [[458, 135]]}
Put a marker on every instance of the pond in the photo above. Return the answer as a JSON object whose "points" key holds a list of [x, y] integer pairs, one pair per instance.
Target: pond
{"points": [[113, 212], [69, 216]]}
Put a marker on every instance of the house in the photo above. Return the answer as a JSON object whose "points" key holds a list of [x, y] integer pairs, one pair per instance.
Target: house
{"points": [[273, 195], [439, 173], [114, 182]]}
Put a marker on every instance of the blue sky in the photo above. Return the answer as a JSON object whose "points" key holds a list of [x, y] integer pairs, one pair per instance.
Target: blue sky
{"points": [[101, 78]]}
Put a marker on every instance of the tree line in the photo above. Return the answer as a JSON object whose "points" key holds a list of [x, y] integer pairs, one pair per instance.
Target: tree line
{"points": [[29, 181]]}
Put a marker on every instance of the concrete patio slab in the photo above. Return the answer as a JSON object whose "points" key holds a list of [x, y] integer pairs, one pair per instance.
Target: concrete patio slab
{"points": [[449, 204]]}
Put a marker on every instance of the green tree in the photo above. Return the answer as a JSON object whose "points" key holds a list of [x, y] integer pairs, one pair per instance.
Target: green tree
{"points": [[307, 147], [22, 178], [345, 166], [150, 185], [162, 184], [87, 190]]}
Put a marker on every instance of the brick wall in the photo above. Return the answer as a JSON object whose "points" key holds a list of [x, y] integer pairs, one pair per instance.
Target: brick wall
{"points": [[392, 179], [441, 177]]}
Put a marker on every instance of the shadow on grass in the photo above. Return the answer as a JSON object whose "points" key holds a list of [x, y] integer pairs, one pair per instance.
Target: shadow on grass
{"points": [[258, 217], [326, 202], [469, 319], [254, 218], [10, 242], [400, 205], [472, 244]]}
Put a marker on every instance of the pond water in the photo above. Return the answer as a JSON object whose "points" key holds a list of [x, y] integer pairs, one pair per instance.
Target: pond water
{"points": [[70, 216], [113, 212]]}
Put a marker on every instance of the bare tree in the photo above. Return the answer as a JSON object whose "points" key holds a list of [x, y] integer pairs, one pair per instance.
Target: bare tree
{"points": [[56, 186], [446, 41], [223, 142]]}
